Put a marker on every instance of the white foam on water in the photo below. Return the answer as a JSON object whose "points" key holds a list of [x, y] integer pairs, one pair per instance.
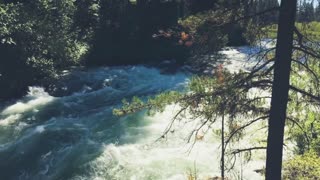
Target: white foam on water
{"points": [[170, 158], [11, 119], [245, 58], [234, 60], [40, 129], [36, 98], [128, 147]]}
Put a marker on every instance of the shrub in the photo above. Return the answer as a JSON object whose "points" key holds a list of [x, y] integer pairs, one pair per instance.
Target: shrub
{"points": [[302, 167]]}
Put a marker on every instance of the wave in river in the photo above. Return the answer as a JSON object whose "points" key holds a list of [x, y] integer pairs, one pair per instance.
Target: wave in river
{"points": [[75, 136]]}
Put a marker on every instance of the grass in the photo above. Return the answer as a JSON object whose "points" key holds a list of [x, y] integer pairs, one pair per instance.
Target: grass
{"points": [[310, 30]]}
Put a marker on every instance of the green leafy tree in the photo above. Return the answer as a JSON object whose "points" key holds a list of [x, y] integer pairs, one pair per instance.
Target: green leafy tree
{"points": [[40, 38]]}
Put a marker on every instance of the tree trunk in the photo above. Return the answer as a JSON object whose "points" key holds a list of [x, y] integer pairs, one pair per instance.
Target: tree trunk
{"points": [[222, 147], [280, 89]]}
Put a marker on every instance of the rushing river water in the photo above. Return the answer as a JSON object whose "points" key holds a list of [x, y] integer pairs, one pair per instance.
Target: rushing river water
{"points": [[77, 137]]}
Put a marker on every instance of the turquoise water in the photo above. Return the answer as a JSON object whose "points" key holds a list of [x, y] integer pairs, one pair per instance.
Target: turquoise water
{"points": [[75, 136], [46, 137]]}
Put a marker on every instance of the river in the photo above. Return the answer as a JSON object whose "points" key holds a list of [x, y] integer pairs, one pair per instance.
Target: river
{"points": [[76, 137]]}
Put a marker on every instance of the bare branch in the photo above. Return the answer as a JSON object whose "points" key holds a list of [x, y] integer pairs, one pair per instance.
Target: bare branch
{"points": [[237, 151], [243, 127], [301, 128], [311, 96], [308, 69], [307, 51], [169, 127]]}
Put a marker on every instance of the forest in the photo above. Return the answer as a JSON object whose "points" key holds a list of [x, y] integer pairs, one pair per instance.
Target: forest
{"points": [[160, 89]]}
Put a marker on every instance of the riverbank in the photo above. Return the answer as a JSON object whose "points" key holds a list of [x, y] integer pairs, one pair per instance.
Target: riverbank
{"points": [[232, 58]]}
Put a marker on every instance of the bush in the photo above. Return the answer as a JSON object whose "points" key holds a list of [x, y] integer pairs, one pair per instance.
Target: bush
{"points": [[40, 38], [302, 167]]}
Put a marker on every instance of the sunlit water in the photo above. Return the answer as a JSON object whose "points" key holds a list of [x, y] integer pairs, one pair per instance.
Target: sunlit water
{"points": [[77, 137]]}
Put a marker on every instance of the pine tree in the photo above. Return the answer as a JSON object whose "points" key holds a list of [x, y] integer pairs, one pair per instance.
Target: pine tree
{"points": [[317, 12], [280, 89]]}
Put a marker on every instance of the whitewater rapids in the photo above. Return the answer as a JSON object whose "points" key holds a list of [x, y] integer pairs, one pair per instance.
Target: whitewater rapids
{"points": [[76, 137]]}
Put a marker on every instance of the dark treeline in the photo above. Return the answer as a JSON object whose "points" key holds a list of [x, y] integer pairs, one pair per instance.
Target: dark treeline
{"points": [[308, 11], [265, 5], [40, 38]]}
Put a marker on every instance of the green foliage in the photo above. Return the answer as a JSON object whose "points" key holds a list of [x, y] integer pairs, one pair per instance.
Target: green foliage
{"points": [[40, 38], [52, 34], [128, 33], [8, 17], [264, 5], [308, 29], [209, 97], [302, 167], [155, 104], [302, 110], [212, 30]]}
